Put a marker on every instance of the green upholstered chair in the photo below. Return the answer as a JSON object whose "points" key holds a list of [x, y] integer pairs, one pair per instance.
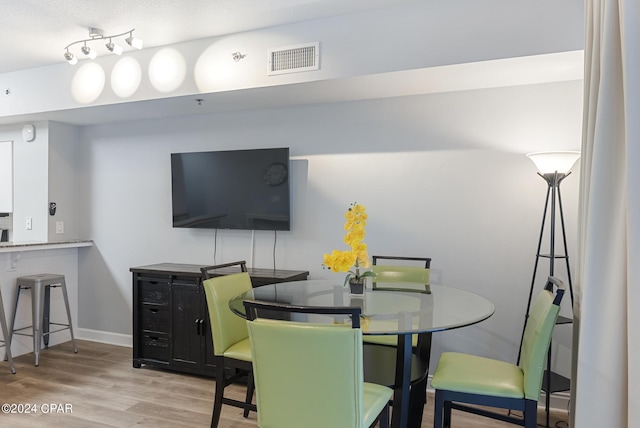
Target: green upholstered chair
{"points": [[310, 374], [231, 348], [462, 378], [411, 272], [403, 277], [406, 274]]}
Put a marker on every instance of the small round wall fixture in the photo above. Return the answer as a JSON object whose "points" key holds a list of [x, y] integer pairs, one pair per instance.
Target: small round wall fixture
{"points": [[28, 133], [126, 77], [88, 83], [167, 70]]}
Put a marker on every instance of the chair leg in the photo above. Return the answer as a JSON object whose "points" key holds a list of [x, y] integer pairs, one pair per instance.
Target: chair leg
{"points": [[437, 410], [250, 388], [217, 399], [530, 414], [447, 414], [383, 419]]}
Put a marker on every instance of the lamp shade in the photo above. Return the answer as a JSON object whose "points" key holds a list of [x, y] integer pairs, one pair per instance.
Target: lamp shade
{"points": [[549, 162]]}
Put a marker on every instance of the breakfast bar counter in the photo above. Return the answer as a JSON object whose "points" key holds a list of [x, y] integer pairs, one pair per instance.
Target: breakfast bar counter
{"points": [[12, 247]]}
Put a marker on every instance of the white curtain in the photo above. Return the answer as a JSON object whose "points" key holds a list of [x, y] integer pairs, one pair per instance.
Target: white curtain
{"points": [[606, 390]]}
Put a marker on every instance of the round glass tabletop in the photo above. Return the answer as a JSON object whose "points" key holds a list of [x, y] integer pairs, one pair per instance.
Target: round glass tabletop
{"points": [[384, 311]]}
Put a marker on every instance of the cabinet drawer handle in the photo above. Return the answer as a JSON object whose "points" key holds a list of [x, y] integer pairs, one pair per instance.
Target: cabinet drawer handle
{"points": [[198, 327], [202, 327], [154, 310]]}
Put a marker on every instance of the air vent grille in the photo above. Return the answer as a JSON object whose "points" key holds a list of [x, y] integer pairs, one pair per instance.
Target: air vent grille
{"points": [[292, 59]]}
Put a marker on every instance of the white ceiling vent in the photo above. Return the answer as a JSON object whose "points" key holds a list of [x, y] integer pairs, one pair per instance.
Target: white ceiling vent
{"points": [[292, 59]]}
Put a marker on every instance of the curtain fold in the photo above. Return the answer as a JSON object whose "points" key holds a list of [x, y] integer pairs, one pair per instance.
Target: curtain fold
{"points": [[608, 283]]}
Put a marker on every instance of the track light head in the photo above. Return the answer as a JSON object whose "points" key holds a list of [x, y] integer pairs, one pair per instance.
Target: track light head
{"points": [[133, 41], [112, 47], [88, 52], [68, 56]]}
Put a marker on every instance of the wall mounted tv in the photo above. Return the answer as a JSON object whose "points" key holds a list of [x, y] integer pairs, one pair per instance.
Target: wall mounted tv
{"points": [[235, 189]]}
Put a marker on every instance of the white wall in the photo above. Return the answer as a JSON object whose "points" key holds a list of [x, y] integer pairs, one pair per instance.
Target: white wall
{"points": [[442, 175], [62, 183], [30, 181]]}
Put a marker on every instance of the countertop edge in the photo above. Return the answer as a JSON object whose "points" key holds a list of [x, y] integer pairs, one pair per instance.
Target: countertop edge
{"points": [[13, 247]]}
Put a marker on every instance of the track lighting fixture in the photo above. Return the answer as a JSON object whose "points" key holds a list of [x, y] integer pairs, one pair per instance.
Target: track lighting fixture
{"points": [[98, 34]]}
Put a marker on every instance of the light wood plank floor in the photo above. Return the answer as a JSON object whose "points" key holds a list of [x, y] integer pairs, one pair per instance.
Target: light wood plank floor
{"points": [[104, 390]]}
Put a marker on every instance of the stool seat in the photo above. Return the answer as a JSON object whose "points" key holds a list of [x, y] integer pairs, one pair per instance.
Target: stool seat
{"points": [[40, 286]]}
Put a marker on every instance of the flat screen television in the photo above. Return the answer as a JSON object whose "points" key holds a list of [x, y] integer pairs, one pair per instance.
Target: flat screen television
{"points": [[234, 189]]}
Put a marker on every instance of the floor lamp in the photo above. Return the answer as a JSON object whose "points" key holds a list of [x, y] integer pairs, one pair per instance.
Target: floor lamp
{"points": [[553, 167]]}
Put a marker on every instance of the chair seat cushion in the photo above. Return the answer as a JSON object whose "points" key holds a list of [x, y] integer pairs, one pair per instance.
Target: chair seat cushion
{"points": [[239, 351], [374, 398], [478, 375]]}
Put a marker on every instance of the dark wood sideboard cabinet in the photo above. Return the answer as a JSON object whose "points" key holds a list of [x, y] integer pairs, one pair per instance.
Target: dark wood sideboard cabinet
{"points": [[170, 317]]}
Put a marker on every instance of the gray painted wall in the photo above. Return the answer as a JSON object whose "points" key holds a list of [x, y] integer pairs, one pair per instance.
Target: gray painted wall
{"points": [[442, 175]]}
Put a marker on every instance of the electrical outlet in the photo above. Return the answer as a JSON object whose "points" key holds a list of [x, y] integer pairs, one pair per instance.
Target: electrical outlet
{"points": [[27, 223], [59, 226]]}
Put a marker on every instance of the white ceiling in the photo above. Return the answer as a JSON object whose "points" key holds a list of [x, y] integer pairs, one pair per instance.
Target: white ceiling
{"points": [[34, 33]]}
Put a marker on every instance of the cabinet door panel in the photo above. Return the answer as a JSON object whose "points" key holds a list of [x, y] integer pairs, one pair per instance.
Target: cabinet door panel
{"points": [[186, 324]]}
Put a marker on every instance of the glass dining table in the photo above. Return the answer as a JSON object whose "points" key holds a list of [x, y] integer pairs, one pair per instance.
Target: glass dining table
{"points": [[389, 310]]}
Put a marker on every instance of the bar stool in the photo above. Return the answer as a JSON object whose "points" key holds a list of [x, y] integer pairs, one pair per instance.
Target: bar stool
{"points": [[6, 342], [40, 286]]}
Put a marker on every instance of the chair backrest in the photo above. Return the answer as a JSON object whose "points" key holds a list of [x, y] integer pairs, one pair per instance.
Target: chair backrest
{"points": [[400, 271], [226, 327], [537, 336], [307, 375], [208, 271]]}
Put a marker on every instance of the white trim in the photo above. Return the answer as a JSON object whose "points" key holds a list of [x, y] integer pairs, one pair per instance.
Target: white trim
{"points": [[104, 337]]}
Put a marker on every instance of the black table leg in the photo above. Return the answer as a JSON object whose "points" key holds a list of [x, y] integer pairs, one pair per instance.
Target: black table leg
{"points": [[418, 395], [401, 397]]}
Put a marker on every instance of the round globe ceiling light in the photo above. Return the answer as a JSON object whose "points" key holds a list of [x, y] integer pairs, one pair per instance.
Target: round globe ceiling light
{"points": [[126, 77], [167, 70], [88, 83]]}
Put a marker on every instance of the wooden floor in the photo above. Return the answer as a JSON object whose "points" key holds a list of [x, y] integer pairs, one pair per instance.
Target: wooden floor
{"points": [[98, 387]]}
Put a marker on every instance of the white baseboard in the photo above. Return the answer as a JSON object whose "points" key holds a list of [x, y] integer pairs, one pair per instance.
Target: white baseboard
{"points": [[104, 337]]}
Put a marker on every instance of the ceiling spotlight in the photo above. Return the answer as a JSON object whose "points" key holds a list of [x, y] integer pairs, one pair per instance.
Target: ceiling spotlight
{"points": [[116, 49], [133, 41], [88, 52], [70, 58], [237, 56]]}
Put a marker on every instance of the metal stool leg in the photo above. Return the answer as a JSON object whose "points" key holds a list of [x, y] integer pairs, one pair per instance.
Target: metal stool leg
{"points": [[6, 337], [66, 304], [37, 314], [15, 312]]}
